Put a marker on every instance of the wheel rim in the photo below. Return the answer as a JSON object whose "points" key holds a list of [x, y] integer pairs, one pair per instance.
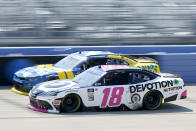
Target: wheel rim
{"points": [[152, 101], [71, 103]]}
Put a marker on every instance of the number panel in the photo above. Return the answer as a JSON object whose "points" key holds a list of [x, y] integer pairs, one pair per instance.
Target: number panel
{"points": [[113, 95]]}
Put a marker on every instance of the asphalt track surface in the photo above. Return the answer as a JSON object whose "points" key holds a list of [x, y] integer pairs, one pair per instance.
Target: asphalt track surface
{"points": [[178, 115]]}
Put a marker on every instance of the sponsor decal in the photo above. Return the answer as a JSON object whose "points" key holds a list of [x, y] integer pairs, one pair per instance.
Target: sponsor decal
{"points": [[91, 97], [152, 68], [135, 98], [176, 82], [56, 102], [150, 86], [90, 94], [172, 88], [90, 90]]}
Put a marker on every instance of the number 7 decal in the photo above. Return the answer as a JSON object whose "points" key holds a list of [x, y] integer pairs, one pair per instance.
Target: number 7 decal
{"points": [[115, 98]]}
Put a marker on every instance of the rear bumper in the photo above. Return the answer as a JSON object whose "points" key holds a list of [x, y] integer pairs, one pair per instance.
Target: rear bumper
{"points": [[183, 95], [175, 97]]}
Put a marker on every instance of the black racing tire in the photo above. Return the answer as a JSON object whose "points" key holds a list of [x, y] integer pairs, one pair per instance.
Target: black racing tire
{"points": [[152, 100], [71, 103]]}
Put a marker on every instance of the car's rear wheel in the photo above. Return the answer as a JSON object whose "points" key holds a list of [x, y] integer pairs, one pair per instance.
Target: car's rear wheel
{"points": [[152, 100], [71, 103]]}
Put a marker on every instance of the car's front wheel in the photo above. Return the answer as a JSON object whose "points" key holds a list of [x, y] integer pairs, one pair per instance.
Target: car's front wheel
{"points": [[152, 100], [71, 103]]}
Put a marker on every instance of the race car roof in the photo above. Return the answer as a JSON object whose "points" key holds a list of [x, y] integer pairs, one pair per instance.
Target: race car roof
{"points": [[93, 53], [116, 67]]}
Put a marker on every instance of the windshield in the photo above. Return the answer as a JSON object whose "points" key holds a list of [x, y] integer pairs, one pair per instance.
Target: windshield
{"points": [[89, 77], [68, 62]]}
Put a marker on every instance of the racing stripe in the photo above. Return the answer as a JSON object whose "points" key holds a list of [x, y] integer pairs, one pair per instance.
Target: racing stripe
{"points": [[40, 66], [48, 65], [62, 75], [70, 74], [45, 66]]}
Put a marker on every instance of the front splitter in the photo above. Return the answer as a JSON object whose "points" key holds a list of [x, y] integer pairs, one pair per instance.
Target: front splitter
{"points": [[19, 92]]}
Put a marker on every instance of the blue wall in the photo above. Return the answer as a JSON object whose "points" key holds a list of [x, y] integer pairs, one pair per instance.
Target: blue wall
{"points": [[176, 59], [183, 64], [58, 50]]}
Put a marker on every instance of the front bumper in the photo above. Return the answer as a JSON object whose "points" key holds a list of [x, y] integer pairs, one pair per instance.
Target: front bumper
{"points": [[19, 91], [37, 109], [20, 88], [42, 105]]}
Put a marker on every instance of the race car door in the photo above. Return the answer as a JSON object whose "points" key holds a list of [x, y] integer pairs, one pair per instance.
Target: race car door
{"points": [[110, 90]]}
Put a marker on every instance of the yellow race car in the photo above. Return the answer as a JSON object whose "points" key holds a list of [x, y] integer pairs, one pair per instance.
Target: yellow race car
{"points": [[72, 65]]}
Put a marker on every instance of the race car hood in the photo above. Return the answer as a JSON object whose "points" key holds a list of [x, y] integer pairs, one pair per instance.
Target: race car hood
{"points": [[54, 86], [42, 70]]}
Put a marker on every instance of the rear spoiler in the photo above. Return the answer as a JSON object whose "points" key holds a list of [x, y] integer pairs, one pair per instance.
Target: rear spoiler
{"points": [[148, 58]]}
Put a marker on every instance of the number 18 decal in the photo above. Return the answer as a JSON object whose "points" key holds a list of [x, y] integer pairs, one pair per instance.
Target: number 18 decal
{"points": [[114, 99]]}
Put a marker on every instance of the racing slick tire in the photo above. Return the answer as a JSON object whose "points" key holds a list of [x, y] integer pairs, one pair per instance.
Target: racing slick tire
{"points": [[152, 100], [71, 103]]}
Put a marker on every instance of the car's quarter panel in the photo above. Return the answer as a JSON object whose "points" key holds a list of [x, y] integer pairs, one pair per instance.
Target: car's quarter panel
{"points": [[168, 87], [149, 66], [141, 63]]}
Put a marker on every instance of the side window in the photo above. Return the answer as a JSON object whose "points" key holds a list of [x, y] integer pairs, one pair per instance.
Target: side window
{"points": [[93, 62], [97, 61], [114, 78], [114, 61], [85, 66], [139, 77]]}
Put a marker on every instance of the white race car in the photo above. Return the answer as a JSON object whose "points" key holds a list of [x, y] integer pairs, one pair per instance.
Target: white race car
{"points": [[108, 86]]}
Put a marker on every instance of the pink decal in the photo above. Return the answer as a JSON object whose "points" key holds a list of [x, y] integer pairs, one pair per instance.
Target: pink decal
{"points": [[105, 67], [106, 93], [36, 109], [116, 96], [183, 94], [110, 67]]}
